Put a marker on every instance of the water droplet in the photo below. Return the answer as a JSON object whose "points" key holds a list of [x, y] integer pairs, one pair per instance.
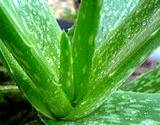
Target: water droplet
{"points": [[132, 100]]}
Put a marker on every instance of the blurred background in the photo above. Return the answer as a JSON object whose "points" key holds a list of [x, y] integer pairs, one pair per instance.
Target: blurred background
{"points": [[14, 109]]}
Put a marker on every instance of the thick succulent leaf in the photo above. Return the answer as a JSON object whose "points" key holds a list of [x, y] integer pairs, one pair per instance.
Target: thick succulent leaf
{"points": [[131, 43], [66, 69], [34, 19], [83, 44], [112, 14], [70, 32], [127, 38], [147, 82], [123, 108], [24, 82], [30, 32]]}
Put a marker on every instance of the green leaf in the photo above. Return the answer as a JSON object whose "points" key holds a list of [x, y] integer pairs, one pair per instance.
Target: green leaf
{"points": [[66, 69], [83, 44], [25, 84], [70, 32], [147, 82], [123, 108], [129, 45], [32, 35], [109, 20], [112, 14]]}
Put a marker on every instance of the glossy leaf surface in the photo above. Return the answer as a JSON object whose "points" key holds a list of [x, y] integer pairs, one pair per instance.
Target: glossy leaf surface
{"points": [[111, 38], [24, 82], [123, 108], [66, 68], [34, 41], [112, 14], [83, 44], [129, 45]]}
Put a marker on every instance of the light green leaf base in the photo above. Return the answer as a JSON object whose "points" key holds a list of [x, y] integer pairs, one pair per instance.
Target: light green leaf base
{"points": [[124, 108]]}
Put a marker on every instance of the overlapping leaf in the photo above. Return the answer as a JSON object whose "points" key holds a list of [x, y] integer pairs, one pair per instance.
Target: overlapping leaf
{"points": [[24, 82], [30, 32], [111, 38], [148, 82], [126, 48], [123, 108]]}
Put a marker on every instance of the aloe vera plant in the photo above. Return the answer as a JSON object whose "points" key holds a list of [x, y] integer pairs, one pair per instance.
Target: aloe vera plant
{"points": [[67, 78]]}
